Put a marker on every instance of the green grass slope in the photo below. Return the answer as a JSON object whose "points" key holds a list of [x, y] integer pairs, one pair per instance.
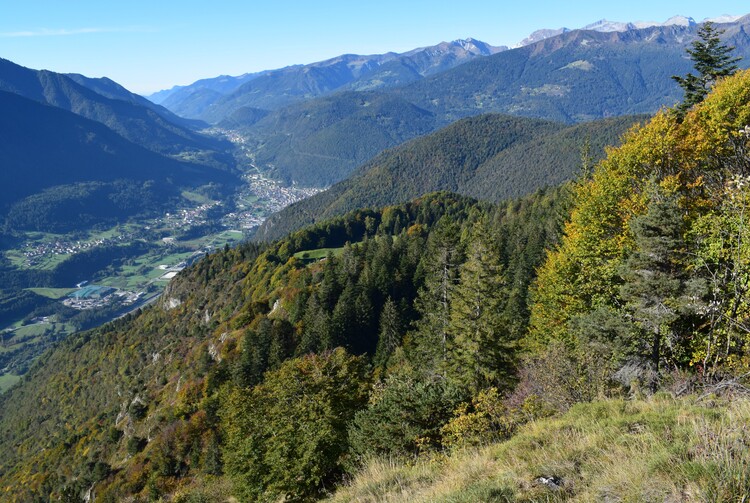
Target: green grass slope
{"points": [[661, 449]]}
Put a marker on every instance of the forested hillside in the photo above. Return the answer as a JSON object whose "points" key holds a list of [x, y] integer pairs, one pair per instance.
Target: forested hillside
{"points": [[643, 298], [111, 89], [491, 157], [63, 172], [322, 141], [655, 247], [163, 388], [117, 109]]}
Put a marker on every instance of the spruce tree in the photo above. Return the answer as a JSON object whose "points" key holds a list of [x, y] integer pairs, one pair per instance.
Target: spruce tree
{"points": [[655, 279], [712, 60], [428, 345], [317, 327], [389, 335], [344, 319], [248, 370], [480, 349]]}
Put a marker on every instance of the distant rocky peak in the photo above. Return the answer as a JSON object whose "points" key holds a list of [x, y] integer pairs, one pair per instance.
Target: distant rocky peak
{"points": [[610, 26], [467, 47], [476, 47], [726, 18], [541, 35], [604, 25], [679, 21]]}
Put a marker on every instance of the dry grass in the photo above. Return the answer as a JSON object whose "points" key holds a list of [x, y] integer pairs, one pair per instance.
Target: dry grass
{"points": [[661, 449]]}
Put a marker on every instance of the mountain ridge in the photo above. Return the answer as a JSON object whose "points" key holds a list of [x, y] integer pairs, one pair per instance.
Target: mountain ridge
{"points": [[604, 25], [596, 74], [44, 147], [145, 125], [204, 99], [224, 84], [575, 77], [491, 157]]}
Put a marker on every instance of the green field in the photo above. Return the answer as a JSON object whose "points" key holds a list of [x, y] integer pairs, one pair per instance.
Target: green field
{"points": [[196, 198], [8, 380], [230, 237], [33, 334], [143, 270], [249, 199], [16, 258], [109, 233], [318, 254], [47, 263], [39, 329], [52, 293]]}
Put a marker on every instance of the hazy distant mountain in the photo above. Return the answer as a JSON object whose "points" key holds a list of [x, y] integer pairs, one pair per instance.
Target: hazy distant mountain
{"points": [[726, 18], [606, 26], [576, 76], [222, 84], [215, 99], [116, 108], [192, 100], [61, 171]]}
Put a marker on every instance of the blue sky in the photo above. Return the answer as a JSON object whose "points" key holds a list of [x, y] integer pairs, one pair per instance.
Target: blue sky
{"points": [[155, 44]]}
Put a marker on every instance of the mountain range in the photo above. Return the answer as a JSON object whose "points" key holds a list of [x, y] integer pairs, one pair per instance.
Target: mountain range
{"points": [[604, 25], [214, 99], [102, 100], [576, 76]]}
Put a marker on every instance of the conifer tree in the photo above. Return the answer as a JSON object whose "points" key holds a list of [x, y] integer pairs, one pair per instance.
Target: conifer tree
{"points": [[317, 327], [344, 319], [428, 347], [389, 334], [655, 279], [480, 349], [248, 369], [712, 60], [363, 339]]}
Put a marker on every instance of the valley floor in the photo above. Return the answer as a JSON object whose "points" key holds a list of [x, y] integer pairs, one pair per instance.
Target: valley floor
{"points": [[169, 244]]}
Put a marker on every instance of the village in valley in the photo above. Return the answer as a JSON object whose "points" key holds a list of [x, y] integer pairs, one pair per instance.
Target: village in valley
{"points": [[162, 247]]}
